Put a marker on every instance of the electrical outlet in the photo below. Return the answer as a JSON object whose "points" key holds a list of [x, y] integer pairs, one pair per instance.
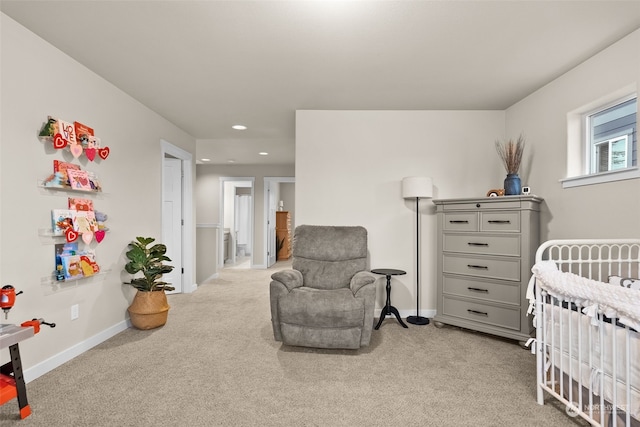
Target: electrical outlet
{"points": [[75, 312]]}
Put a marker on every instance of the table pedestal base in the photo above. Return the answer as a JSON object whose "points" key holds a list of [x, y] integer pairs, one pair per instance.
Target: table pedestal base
{"points": [[388, 308]]}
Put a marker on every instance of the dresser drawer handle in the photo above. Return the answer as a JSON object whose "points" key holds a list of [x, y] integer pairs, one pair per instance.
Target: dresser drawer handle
{"points": [[499, 221], [480, 267], [477, 244], [478, 289], [459, 221], [481, 313]]}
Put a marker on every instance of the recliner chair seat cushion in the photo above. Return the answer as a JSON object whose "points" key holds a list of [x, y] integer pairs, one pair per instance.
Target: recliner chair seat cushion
{"points": [[336, 308]]}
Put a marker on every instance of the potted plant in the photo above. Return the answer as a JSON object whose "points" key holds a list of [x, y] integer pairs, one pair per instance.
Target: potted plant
{"points": [[510, 153], [149, 308]]}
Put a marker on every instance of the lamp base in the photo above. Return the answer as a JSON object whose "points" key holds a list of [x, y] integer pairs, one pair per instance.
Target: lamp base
{"points": [[418, 320]]}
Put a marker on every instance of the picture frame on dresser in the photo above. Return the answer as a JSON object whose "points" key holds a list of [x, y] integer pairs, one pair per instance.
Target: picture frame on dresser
{"points": [[486, 248]]}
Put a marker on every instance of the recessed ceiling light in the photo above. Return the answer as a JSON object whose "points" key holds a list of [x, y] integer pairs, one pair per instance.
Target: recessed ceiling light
{"points": [[263, 153], [205, 160], [231, 161], [239, 127]]}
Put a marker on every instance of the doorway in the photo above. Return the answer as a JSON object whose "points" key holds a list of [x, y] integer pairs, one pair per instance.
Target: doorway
{"points": [[177, 215], [276, 198], [236, 240]]}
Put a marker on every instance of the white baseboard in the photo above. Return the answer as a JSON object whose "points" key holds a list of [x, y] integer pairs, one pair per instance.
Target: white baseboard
{"points": [[213, 276], [68, 354]]}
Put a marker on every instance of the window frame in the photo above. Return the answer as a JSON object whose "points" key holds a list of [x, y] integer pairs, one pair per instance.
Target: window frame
{"points": [[588, 118], [584, 139]]}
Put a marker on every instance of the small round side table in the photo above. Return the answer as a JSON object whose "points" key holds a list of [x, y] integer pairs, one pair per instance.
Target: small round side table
{"points": [[388, 308]]}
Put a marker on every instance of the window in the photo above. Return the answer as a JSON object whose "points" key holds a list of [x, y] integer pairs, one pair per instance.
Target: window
{"points": [[602, 140], [612, 140]]}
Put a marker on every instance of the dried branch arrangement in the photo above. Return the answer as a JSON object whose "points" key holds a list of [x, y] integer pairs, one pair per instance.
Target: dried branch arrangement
{"points": [[511, 154]]}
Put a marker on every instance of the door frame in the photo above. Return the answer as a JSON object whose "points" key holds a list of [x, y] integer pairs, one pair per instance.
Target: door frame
{"points": [[186, 159], [268, 181], [223, 179]]}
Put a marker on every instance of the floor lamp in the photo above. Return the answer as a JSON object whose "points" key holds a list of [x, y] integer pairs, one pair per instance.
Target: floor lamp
{"points": [[417, 187]]}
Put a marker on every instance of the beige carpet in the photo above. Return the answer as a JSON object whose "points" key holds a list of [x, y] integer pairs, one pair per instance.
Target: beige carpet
{"points": [[215, 363]]}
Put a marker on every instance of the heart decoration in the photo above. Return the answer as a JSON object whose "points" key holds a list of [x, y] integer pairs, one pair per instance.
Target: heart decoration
{"points": [[100, 235], [71, 235], [59, 142], [76, 150], [87, 237], [103, 153], [90, 153]]}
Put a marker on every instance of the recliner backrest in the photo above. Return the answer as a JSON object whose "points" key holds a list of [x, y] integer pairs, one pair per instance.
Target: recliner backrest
{"points": [[329, 256]]}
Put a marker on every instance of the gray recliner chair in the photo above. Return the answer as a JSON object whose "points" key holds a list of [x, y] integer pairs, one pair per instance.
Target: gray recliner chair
{"points": [[328, 298]]}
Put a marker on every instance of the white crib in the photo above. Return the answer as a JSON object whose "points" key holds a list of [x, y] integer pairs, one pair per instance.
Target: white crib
{"points": [[587, 343]]}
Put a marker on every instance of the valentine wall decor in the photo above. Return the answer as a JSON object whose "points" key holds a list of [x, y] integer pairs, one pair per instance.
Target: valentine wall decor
{"points": [[77, 137]]}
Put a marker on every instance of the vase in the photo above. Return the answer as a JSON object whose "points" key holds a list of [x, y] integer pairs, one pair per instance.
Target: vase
{"points": [[512, 185], [149, 310]]}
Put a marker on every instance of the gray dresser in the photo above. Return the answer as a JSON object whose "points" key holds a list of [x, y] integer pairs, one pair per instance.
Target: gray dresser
{"points": [[486, 248]]}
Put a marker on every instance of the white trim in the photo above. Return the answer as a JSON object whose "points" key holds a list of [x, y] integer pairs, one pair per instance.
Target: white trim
{"points": [[598, 178], [64, 356], [578, 142], [208, 225], [213, 276], [187, 210]]}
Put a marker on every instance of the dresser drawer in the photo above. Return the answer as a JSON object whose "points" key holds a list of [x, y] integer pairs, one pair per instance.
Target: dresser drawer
{"points": [[465, 221], [496, 268], [500, 221], [484, 204], [475, 243], [483, 313], [480, 289]]}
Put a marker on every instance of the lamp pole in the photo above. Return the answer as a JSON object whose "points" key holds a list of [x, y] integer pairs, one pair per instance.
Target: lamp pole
{"points": [[417, 319]]}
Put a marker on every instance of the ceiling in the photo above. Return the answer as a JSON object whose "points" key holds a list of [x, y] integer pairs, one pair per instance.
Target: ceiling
{"points": [[207, 65]]}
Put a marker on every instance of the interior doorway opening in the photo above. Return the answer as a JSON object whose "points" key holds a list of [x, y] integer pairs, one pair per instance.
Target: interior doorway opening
{"points": [[177, 215], [236, 239], [279, 196]]}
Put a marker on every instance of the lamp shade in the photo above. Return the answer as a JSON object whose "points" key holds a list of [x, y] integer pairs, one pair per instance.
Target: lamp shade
{"points": [[417, 187]]}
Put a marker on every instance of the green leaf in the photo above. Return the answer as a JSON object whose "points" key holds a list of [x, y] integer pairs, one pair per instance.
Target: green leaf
{"points": [[149, 262]]}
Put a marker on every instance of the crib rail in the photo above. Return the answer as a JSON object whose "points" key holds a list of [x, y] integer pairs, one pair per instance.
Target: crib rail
{"points": [[594, 259], [590, 363]]}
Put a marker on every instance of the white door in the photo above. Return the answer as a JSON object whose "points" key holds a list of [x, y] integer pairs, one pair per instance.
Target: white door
{"points": [[172, 220], [271, 226]]}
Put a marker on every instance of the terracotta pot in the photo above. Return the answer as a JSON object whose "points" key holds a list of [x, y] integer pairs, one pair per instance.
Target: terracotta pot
{"points": [[149, 309]]}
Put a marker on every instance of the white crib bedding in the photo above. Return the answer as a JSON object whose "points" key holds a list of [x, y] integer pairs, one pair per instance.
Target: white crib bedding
{"points": [[582, 361]]}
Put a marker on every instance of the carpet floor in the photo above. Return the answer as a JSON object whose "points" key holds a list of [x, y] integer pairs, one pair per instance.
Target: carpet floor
{"points": [[215, 363]]}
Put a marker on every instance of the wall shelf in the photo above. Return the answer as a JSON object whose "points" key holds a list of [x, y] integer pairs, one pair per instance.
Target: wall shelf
{"points": [[52, 286]]}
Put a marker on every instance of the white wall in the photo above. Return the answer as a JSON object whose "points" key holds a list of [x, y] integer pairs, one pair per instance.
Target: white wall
{"points": [[38, 80], [349, 168], [595, 211]]}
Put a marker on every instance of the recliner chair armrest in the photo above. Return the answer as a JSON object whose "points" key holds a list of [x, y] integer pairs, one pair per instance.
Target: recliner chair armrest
{"points": [[360, 279], [290, 278]]}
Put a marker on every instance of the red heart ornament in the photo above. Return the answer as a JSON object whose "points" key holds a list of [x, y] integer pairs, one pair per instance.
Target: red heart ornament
{"points": [[59, 142], [99, 235], [90, 153], [76, 150], [71, 235], [103, 153]]}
